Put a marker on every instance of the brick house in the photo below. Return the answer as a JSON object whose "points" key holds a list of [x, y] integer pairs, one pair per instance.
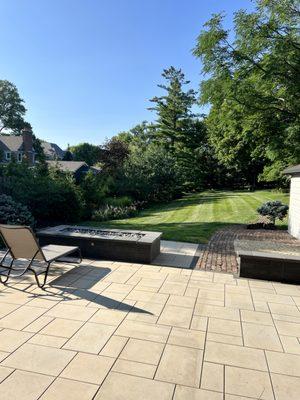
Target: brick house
{"points": [[21, 146]]}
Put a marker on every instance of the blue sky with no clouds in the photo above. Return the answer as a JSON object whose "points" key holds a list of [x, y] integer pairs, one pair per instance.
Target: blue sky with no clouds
{"points": [[87, 68]]}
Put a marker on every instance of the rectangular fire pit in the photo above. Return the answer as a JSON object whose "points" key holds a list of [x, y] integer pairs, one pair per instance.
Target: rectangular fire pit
{"points": [[112, 244]]}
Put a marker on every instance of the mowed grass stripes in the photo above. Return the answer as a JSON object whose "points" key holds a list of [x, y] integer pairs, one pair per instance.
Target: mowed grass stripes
{"points": [[194, 218]]}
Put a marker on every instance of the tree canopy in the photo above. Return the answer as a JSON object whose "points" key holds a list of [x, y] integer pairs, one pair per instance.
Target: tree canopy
{"points": [[12, 109], [253, 87]]}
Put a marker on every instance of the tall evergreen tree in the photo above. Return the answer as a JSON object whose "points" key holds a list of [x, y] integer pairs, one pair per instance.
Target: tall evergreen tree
{"points": [[174, 108]]}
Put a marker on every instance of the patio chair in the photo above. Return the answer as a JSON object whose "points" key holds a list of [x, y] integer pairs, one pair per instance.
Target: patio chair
{"points": [[22, 245]]}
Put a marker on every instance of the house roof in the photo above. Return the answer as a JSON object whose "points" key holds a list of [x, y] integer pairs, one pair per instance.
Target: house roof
{"points": [[67, 166], [295, 169], [11, 142], [52, 150]]}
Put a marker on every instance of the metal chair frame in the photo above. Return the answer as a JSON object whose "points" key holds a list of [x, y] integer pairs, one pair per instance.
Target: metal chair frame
{"points": [[10, 268]]}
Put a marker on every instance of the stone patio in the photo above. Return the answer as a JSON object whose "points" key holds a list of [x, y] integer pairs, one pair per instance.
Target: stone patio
{"points": [[117, 331]]}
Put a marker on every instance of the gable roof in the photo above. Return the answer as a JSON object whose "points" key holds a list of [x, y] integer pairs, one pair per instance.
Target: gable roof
{"points": [[295, 169], [11, 142], [52, 150], [67, 166]]}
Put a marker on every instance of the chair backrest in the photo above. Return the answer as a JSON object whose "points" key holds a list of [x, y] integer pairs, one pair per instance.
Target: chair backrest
{"points": [[21, 242]]}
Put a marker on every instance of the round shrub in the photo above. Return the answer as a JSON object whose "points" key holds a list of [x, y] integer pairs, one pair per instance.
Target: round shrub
{"points": [[14, 213], [273, 210]]}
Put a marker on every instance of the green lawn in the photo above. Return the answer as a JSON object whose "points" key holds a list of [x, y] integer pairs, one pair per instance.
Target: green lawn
{"points": [[194, 218]]}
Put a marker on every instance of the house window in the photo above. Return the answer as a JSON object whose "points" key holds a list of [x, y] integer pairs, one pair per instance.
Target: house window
{"points": [[20, 156], [8, 155]]}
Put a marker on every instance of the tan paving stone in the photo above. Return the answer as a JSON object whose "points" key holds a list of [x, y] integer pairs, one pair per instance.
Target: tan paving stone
{"points": [[235, 355], [240, 301], [120, 288], [145, 312], [181, 301], [273, 298], [134, 368], [180, 365], [175, 288], [176, 316], [21, 317], [187, 338], [24, 385], [68, 311], [88, 368], [141, 330], [290, 344], [188, 393], [261, 337], [114, 346], [223, 326], [256, 317], [61, 327], [140, 295], [63, 389], [3, 355], [247, 382], [38, 324], [283, 363], [199, 323], [108, 317], [286, 387], [142, 351], [217, 312], [10, 339], [221, 338], [41, 359], [288, 328], [120, 387], [46, 340], [4, 372], [90, 338], [212, 377], [7, 308], [284, 309], [290, 290]]}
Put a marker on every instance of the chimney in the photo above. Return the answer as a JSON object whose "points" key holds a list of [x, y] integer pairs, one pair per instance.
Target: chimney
{"points": [[28, 145]]}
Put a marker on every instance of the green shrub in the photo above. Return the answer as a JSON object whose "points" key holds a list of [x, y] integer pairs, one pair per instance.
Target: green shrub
{"points": [[52, 197], [14, 213], [273, 210], [110, 212]]}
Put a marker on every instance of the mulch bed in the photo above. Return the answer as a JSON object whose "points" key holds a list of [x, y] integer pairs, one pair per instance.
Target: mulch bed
{"points": [[219, 254]]}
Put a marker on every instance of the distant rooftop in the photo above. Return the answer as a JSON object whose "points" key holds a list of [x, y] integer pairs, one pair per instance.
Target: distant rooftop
{"points": [[295, 169], [67, 166]]}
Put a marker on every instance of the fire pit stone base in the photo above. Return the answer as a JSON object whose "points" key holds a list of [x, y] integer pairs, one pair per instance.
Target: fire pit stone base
{"points": [[112, 244]]}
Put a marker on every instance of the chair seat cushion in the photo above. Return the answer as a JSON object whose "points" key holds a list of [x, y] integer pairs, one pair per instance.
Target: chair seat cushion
{"points": [[54, 251]]}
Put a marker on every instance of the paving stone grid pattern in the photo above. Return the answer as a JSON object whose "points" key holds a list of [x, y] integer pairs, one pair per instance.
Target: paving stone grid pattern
{"points": [[219, 254], [117, 331]]}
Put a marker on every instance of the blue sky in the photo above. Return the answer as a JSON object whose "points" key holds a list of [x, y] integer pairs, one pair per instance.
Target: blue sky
{"points": [[87, 68]]}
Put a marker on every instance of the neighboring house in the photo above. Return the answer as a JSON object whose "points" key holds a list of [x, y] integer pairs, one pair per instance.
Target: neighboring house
{"points": [[17, 147], [77, 168], [294, 210], [21, 146], [52, 151]]}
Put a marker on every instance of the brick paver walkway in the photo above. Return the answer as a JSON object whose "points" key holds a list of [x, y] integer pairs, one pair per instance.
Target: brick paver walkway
{"points": [[219, 254], [117, 331]]}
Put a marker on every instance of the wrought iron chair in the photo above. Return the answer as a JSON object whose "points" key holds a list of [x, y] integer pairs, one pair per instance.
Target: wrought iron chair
{"points": [[22, 244]]}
